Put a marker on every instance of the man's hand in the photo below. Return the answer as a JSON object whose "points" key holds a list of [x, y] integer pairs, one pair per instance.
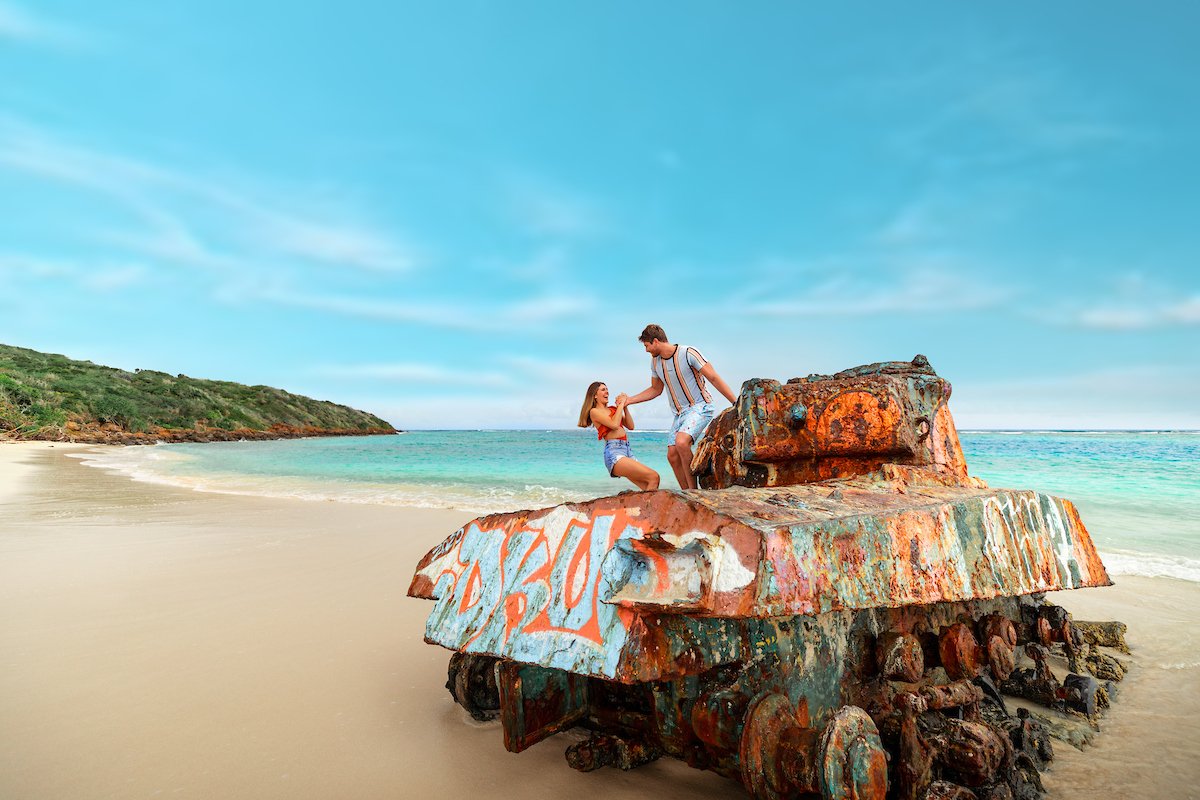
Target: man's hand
{"points": [[656, 388], [622, 399]]}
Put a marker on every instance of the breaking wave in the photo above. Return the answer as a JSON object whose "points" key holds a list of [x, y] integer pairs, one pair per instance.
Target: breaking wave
{"points": [[159, 465], [1152, 566]]}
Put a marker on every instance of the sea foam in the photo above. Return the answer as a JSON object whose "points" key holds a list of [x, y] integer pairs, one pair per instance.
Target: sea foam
{"points": [[158, 465], [1151, 565]]}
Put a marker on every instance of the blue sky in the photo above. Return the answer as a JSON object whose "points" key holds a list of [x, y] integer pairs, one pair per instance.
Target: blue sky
{"points": [[458, 214]]}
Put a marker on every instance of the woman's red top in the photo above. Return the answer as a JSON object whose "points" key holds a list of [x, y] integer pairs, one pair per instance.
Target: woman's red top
{"points": [[602, 430]]}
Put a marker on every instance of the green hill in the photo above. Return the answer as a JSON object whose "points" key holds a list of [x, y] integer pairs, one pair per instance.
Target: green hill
{"points": [[45, 396]]}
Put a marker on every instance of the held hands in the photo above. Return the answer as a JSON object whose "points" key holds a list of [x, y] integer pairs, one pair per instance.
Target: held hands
{"points": [[622, 400]]}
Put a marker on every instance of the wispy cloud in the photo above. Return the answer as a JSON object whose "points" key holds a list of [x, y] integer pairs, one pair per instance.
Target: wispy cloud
{"points": [[18, 265], [547, 308], [555, 385], [182, 215], [900, 289], [527, 391], [21, 25], [1130, 302], [915, 222], [996, 104], [413, 373], [254, 249], [513, 316], [1091, 399], [1025, 110], [345, 244], [1124, 316], [545, 208], [113, 278], [556, 373], [548, 263], [101, 276]]}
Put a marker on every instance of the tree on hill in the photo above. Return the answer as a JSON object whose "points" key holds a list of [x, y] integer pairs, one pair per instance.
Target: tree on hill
{"points": [[44, 395]]}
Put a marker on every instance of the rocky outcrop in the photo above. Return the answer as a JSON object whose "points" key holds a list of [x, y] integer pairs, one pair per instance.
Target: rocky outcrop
{"points": [[110, 433]]}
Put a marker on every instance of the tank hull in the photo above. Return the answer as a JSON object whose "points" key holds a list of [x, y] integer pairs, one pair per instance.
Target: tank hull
{"points": [[647, 586], [835, 614]]}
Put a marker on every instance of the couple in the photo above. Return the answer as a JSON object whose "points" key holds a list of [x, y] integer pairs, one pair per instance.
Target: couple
{"points": [[683, 372]]}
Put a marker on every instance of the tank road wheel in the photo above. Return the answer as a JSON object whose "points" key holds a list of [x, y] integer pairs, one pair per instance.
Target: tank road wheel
{"points": [[853, 764], [767, 718], [471, 680]]}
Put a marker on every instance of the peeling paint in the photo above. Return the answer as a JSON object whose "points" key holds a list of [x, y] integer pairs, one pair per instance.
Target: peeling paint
{"points": [[839, 578]]}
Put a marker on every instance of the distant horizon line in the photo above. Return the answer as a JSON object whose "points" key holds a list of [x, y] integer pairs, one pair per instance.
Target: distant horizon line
{"points": [[961, 430]]}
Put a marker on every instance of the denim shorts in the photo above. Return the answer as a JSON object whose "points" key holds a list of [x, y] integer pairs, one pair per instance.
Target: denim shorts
{"points": [[615, 449], [693, 421]]}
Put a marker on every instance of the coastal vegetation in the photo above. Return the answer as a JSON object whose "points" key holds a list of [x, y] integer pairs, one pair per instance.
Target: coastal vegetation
{"points": [[47, 396]]}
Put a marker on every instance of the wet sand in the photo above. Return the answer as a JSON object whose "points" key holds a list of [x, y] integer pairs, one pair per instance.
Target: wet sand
{"points": [[163, 642]]}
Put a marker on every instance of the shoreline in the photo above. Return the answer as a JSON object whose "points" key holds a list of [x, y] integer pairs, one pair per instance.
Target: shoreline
{"points": [[162, 640], [151, 466], [317, 490], [109, 434]]}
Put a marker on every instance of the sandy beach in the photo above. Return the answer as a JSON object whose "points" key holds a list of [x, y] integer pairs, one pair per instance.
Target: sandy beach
{"points": [[164, 642]]}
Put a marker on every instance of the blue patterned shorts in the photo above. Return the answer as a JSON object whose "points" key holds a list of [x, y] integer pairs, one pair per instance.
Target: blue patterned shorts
{"points": [[615, 449], [693, 421]]}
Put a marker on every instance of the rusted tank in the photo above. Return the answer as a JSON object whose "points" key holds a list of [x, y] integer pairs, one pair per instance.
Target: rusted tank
{"points": [[834, 614]]}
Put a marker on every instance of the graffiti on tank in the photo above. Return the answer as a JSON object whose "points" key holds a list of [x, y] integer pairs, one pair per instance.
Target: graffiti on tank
{"points": [[549, 582]]}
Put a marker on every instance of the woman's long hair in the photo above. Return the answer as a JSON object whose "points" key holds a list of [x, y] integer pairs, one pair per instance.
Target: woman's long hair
{"points": [[589, 402]]}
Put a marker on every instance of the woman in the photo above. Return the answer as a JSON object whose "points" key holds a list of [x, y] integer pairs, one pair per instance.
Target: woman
{"points": [[611, 423]]}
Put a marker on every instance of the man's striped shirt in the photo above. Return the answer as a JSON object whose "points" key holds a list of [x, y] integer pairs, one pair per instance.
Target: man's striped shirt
{"points": [[680, 374]]}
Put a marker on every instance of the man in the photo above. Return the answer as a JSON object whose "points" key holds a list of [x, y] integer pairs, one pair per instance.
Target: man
{"points": [[683, 372]]}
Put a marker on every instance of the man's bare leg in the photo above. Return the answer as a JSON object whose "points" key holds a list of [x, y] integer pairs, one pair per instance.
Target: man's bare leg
{"points": [[676, 466], [683, 453]]}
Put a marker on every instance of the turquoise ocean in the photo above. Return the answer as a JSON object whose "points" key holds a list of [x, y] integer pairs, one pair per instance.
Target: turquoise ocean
{"points": [[1138, 491]]}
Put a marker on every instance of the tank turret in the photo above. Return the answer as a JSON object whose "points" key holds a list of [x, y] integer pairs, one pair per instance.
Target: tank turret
{"points": [[833, 426]]}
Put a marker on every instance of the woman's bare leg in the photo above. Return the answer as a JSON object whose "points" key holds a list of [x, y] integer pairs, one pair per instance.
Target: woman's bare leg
{"points": [[638, 473]]}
